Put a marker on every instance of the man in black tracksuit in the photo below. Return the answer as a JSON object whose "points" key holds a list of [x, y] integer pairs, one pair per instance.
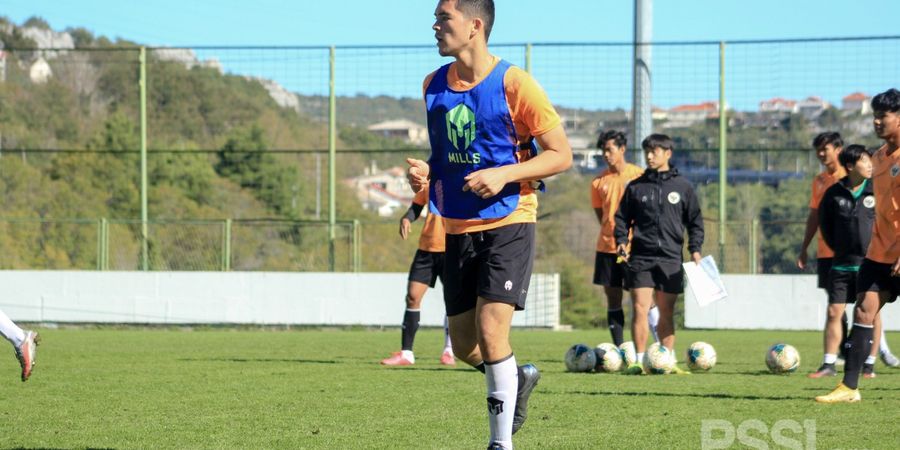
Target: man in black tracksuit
{"points": [[846, 218], [656, 209]]}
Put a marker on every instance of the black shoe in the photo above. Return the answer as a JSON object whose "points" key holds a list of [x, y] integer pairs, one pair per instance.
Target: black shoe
{"points": [[494, 446], [869, 371], [528, 379]]}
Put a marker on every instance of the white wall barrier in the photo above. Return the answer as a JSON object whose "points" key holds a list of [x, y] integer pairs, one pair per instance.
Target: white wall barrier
{"points": [[373, 299], [775, 302]]}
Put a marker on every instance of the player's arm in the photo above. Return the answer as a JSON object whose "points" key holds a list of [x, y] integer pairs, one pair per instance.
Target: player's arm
{"points": [[623, 222], [556, 157], [693, 219], [413, 213], [597, 202], [812, 224]]}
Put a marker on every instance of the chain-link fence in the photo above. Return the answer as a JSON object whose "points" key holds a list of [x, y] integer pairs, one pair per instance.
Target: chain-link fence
{"points": [[244, 133]]}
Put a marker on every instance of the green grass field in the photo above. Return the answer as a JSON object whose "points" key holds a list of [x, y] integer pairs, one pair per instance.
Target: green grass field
{"points": [[240, 388]]}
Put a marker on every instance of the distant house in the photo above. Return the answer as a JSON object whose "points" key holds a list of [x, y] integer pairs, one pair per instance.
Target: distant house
{"points": [[383, 191], [40, 71], [779, 105], [812, 107], [683, 116], [406, 130], [857, 102]]}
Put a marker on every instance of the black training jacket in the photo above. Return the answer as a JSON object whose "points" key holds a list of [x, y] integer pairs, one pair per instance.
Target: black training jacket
{"points": [[846, 223], [657, 207]]}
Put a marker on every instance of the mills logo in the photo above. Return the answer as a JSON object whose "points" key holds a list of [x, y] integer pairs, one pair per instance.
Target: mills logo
{"points": [[461, 132]]}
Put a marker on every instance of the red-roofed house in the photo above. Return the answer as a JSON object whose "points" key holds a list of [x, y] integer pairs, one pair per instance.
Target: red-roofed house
{"points": [[857, 102], [778, 105], [683, 116]]}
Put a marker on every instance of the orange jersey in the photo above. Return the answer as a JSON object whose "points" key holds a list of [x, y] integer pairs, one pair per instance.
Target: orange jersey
{"points": [[432, 237], [885, 244], [820, 184], [606, 192], [532, 115]]}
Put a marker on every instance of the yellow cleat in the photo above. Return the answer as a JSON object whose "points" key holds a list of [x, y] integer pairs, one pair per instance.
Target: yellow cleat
{"points": [[679, 371], [840, 394]]}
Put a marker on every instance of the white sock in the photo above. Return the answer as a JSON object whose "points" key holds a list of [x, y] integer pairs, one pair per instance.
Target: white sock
{"points": [[502, 384], [447, 345], [640, 358], [10, 331], [870, 359], [653, 321], [408, 354], [883, 346], [830, 358]]}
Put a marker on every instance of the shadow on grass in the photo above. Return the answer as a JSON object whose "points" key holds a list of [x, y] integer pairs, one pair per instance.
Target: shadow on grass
{"points": [[262, 360], [686, 395]]}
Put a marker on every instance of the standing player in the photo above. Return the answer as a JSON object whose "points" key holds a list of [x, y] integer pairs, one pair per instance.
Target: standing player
{"points": [[25, 343], [879, 274], [483, 117], [427, 266], [657, 209], [606, 192]]}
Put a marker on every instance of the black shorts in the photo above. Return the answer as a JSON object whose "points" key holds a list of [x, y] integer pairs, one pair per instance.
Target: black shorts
{"points": [[841, 287], [426, 267], [607, 272], [662, 275], [823, 268], [876, 277], [494, 264]]}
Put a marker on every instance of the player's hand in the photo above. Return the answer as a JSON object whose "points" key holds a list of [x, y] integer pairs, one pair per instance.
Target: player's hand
{"points": [[486, 183], [404, 228], [622, 251], [895, 270], [696, 257], [801, 260], [417, 174]]}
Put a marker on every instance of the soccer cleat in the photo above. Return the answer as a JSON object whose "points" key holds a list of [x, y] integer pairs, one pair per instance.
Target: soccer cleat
{"points": [[396, 359], [634, 369], [679, 371], [826, 370], [528, 379], [26, 352], [869, 371], [447, 358], [840, 361], [495, 446], [889, 359], [840, 394]]}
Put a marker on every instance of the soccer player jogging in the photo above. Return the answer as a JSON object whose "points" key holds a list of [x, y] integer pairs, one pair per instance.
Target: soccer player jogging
{"points": [[606, 192], [657, 208], [25, 343], [846, 214], [426, 267], [879, 274], [483, 118]]}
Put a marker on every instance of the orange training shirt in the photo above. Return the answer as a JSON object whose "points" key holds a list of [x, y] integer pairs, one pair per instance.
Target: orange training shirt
{"points": [[432, 237], [820, 184], [606, 193], [884, 247], [532, 115]]}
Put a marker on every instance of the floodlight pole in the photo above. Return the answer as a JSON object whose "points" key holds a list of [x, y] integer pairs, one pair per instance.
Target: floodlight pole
{"points": [[641, 97], [145, 246]]}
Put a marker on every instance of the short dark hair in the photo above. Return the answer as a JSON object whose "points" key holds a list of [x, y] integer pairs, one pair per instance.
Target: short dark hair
{"points": [[828, 137], [616, 136], [658, 140], [850, 155], [887, 101], [482, 9]]}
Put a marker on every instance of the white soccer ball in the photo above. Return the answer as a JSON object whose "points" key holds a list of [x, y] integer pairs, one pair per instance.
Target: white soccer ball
{"points": [[608, 358], [659, 360], [580, 358], [629, 356], [782, 358], [701, 356]]}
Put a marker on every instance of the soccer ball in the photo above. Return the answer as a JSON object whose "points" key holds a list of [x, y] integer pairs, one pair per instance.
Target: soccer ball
{"points": [[782, 358], [701, 356], [580, 358], [659, 360], [608, 358], [629, 356]]}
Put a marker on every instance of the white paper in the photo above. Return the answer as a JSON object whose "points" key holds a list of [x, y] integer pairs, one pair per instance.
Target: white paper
{"points": [[705, 281]]}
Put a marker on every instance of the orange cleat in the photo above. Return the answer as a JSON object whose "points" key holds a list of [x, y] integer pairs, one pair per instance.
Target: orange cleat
{"points": [[26, 352], [397, 359], [448, 359]]}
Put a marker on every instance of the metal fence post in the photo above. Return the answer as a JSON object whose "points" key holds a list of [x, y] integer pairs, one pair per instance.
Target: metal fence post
{"points": [[723, 158], [332, 142], [528, 57], [145, 246], [226, 245], [754, 246], [99, 244], [356, 250]]}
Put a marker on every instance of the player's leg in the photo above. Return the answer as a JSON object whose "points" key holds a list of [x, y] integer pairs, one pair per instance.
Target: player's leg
{"points": [[447, 357], [422, 274], [459, 279], [886, 356], [608, 273], [493, 322], [838, 287], [25, 343], [641, 297], [665, 302], [653, 321], [869, 364]]}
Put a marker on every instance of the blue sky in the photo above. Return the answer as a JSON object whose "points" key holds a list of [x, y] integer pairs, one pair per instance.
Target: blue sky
{"points": [[585, 77]]}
